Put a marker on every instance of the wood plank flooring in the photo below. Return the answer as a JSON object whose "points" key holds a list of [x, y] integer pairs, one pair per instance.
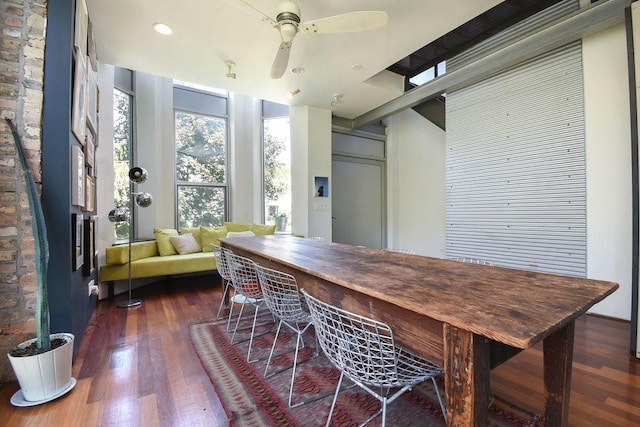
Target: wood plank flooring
{"points": [[137, 367]]}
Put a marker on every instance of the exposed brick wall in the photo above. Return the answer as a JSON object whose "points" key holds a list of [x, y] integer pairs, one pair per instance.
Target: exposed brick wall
{"points": [[22, 43]]}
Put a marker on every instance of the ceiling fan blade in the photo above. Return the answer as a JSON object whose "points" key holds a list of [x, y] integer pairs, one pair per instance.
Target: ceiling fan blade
{"points": [[281, 60], [346, 23]]}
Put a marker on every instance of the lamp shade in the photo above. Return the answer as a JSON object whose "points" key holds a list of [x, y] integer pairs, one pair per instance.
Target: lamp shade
{"points": [[119, 214], [144, 200], [138, 175]]}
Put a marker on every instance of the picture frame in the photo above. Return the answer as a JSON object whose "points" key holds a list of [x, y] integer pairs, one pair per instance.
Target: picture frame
{"points": [[77, 176], [78, 118], [89, 241], [77, 240], [91, 47], [89, 150], [81, 26], [321, 186], [90, 191], [92, 100]]}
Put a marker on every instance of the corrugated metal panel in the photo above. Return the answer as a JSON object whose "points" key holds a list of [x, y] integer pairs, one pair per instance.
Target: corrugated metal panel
{"points": [[516, 31], [515, 167]]}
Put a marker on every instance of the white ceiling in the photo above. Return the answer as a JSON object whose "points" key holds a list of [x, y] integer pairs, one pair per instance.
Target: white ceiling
{"points": [[206, 33]]}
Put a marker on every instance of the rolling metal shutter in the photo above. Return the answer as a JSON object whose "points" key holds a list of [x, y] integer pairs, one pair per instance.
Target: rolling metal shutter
{"points": [[515, 167]]}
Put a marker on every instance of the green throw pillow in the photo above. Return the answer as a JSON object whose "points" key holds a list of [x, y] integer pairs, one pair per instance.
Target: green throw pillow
{"points": [[210, 235], [238, 226], [163, 236], [263, 230]]}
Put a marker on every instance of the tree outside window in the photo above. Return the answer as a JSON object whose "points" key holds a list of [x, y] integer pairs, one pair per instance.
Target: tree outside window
{"points": [[277, 170], [122, 125], [201, 155]]}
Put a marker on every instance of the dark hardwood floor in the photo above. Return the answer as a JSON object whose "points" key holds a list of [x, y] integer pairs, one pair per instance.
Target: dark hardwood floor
{"points": [[136, 367]]}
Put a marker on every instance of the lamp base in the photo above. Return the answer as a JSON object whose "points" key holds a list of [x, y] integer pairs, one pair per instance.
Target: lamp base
{"points": [[129, 303]]}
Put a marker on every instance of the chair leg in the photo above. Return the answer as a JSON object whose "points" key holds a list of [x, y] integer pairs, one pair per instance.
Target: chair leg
{"points": [[253, 328], [335, 398], [238, 322], [224, 295], [273, 346], [231, 304], [384, 411], [293, 372], [444, 410]]}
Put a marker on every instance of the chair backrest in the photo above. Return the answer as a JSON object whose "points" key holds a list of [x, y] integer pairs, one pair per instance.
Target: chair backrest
{"points": [[222, 266], [280, 292], [243, 275], [470, 260], [400, 251], [360, 347]]}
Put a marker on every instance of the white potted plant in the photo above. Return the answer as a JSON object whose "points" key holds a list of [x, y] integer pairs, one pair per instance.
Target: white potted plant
{"points": [[43, 364], [281, 221]]}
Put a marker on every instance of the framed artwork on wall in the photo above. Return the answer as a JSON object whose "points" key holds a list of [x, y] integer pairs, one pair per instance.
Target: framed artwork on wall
{"points": [[77, 240], [78, 118], [321, 186], [77, 176], [81, 26], [89, 246], [92, 100], [90, 191]]}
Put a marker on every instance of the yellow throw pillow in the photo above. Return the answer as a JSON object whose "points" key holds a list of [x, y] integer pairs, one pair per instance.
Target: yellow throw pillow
{"points": [[263, 230], [163, 236], [185, 244], [238, 226], [210, 235], [195, 231]]}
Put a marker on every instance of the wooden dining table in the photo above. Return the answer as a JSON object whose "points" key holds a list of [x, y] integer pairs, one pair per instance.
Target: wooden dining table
{"points": [[465, 317]]}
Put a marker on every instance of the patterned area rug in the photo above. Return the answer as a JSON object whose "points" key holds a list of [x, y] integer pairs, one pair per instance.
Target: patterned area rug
{"points": [[250, 399]]}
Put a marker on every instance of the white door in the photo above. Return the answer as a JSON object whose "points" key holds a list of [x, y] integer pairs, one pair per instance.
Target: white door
{"points": [[358, 201]]}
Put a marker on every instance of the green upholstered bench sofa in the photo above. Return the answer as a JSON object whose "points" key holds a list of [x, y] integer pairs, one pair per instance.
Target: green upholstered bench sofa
{"points": [[171, 253]]}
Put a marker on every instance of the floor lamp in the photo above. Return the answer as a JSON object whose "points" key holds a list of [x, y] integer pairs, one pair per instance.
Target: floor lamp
{"points": [[137, 175]]}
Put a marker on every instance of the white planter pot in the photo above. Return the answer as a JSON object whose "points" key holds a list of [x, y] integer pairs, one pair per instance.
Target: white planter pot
{"points": [[47, 375]]}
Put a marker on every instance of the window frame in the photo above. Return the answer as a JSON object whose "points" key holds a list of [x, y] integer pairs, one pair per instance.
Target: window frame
{"points": [[193, 101]]}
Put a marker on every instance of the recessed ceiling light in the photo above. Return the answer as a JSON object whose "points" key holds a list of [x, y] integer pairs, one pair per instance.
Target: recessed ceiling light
{"points": [[162, 28], [356, 67]]}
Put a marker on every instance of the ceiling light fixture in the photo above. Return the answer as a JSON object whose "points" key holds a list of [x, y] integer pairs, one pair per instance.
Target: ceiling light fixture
{"points": [[230, 65], [336, 99], [162, 28], [297, 71], [293, 93]]}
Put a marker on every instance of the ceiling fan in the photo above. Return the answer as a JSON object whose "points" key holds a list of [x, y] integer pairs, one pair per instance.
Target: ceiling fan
{"points": [[288, 24]]}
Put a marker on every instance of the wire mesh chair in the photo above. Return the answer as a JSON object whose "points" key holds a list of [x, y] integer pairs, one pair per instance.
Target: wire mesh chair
{"points": [[246, 290], [280, 292], [400, 251], [364, 351], [223, 271], [470, 260]]}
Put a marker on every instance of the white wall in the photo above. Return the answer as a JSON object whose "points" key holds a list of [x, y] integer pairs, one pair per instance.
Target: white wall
{"points": [[310, 157], [415, 184], [608, 137], [155, 151]]}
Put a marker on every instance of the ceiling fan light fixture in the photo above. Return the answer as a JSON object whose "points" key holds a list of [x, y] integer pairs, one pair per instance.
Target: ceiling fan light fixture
{"points": [[230, 73], [293, 93], [162, 28]]}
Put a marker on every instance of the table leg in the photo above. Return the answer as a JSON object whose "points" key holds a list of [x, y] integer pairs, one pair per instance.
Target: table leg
{"points": [[466, 365], [558, 355]]}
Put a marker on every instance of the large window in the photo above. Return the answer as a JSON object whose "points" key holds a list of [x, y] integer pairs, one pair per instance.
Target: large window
{"points": [[277, 166], [201, 157], [122, 143]]}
